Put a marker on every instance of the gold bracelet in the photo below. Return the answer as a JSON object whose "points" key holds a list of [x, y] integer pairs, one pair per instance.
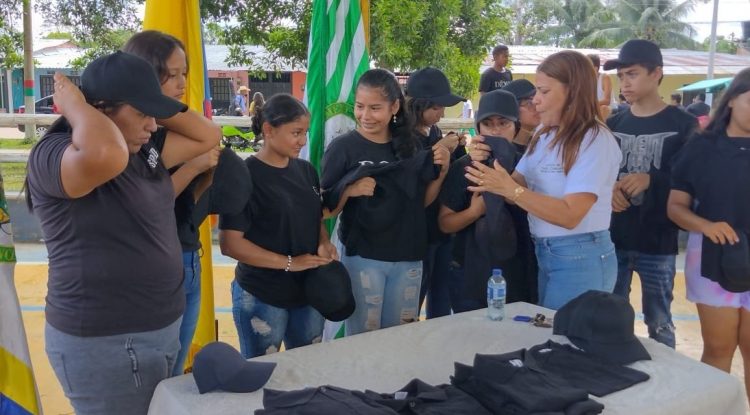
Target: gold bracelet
{"points": [[517, 193]]}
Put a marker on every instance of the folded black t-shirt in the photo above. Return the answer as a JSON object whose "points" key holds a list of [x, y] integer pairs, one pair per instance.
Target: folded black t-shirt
{"points": [[420, 398], [507, 384], [581, 370]]}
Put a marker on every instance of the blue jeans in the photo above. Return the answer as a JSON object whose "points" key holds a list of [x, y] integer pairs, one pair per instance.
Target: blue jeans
{"points": [[262, 327], [112, 374], [435, 279], [460, 301], [386, 293], [657, 282], [571, 265], [191, 281]]}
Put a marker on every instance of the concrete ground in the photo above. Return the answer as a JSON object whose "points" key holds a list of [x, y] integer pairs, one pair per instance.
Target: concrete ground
{"points": [[31, 278], [10, 132]]}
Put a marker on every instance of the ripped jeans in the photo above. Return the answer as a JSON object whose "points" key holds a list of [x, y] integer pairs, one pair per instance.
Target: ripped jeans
{"points": [[112, 374], [262, 327], [386, 293]]}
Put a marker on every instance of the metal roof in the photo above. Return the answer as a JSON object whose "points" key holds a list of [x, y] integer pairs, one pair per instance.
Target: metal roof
{"points": [[525, 60]]}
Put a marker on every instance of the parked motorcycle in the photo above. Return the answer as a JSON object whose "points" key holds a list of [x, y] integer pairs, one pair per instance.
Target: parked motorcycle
{"points": [[240, 138]]}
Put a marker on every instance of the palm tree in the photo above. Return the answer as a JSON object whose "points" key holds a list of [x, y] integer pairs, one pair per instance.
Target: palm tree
{"points": [[659, 21], [575, 20]]}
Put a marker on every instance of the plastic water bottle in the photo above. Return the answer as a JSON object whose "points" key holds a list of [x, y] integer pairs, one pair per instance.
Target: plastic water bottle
{"points": [[496, 289]]}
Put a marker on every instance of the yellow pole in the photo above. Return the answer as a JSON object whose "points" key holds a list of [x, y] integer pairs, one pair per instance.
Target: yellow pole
{"points": [[364, 6]]}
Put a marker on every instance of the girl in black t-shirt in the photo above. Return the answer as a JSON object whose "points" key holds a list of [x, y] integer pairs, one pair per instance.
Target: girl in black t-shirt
{"points": [[278, 237], [190, 180], [381, 181], [710, 199], [428, 94]]}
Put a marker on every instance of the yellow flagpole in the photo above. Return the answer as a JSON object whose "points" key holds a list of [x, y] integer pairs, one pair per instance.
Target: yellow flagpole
{"points": [[364, 6]]}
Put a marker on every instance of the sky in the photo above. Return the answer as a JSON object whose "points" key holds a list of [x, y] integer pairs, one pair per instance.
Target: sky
{"points": [[731, 13]]}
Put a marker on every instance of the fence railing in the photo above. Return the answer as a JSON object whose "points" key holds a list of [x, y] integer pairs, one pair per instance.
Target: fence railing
{"points": [[13, 120]]}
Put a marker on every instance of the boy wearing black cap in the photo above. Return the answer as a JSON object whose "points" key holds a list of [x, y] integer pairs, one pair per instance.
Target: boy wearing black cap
{"points": [[496, 76], [650, 133], [462, 211]]}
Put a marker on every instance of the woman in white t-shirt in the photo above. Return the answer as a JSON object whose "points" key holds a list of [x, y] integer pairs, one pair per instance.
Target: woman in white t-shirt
{"points": [[565, 182]]}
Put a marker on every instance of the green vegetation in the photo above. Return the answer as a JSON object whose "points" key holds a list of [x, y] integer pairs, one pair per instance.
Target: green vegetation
{"points": [[13, 176]]}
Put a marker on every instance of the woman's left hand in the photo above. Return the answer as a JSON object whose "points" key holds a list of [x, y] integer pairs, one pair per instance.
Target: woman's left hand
{"points": [[487, 179], [328, 251], [441, 157]]}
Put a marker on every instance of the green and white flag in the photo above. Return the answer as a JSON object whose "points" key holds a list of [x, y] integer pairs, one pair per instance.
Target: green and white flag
{"points": [[337, 56]]}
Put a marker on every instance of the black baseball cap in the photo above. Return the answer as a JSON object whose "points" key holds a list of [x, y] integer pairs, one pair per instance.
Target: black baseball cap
{"points": [[601, 324], [498, 102], [219, 366], [432, 84], [520, 88], [634, 52], [123, 77], [329, 290]]}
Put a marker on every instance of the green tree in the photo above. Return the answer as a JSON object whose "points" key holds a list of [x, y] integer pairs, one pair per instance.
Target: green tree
{"points": [[529, 20], [723, 45], [100, 26], [59, 35], [660, 21], [108, 42], [11, 40], [452, 35], [281, 26], [574, 21]]}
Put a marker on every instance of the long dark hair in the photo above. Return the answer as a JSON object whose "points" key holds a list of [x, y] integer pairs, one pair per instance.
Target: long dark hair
{"points": [[723, 113], [258, 99], [576, 72], [62, 125], [401, 127], [156, 48], [415, 108], [280, 109]]}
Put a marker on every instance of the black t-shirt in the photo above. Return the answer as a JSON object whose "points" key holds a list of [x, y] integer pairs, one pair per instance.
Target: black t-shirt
{"points": [[184, 209], [434, 235], [457, 198], [715, 171], [406, 238], [492, 79], [649, 145], [283, 216], [115, 264]]}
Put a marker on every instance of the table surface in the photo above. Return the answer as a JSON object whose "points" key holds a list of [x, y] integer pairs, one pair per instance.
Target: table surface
{"points": [[386, 360]]}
